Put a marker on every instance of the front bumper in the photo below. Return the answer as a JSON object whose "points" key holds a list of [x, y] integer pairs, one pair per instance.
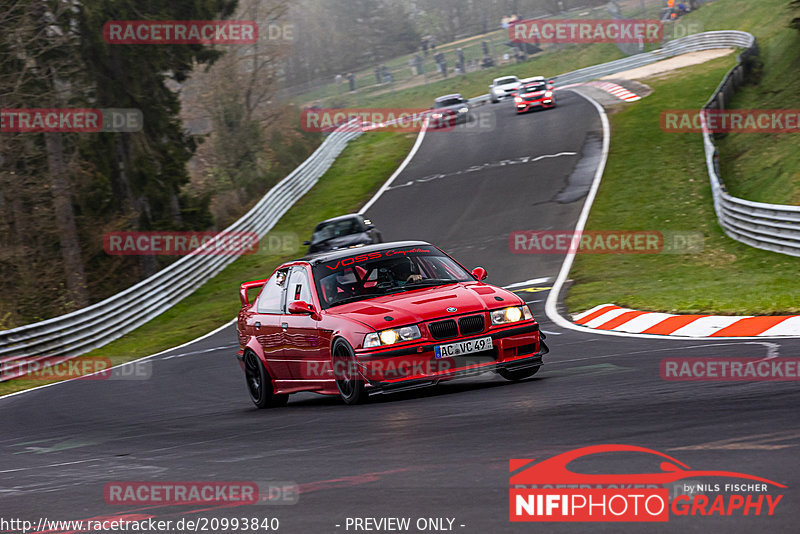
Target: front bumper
{"points": [[514, 347], [448, 121], [522, 107]]}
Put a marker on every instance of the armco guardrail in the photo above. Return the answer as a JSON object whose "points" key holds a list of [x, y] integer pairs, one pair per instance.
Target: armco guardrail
{"points": [[771, 227], [76, 333]]}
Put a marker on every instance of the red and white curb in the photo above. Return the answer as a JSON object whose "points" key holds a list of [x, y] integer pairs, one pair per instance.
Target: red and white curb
{"points": [[610, 88], [616, 90], [614, 318]]}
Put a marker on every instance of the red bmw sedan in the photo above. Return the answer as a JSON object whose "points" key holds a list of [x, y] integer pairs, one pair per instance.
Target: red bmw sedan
{"points": [[376, 319]]}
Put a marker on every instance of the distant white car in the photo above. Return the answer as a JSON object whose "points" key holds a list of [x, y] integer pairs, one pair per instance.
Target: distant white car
{"points": [[504, 87], [533, 79]]}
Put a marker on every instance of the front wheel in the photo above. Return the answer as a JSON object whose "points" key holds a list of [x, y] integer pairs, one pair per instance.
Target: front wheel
{"points": [[345, 370], [518, 374], [259, 384]]}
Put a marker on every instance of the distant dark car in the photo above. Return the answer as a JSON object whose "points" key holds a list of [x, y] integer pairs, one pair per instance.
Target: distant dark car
{"points": [[343, 232], [449, 110]]}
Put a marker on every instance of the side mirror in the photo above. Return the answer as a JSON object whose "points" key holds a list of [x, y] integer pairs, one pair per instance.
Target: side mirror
{"points": [[479, 273], [298, 307]]}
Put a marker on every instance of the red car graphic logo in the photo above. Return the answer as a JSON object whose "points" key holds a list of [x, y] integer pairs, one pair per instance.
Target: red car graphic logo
{"points": [[554, 470]]}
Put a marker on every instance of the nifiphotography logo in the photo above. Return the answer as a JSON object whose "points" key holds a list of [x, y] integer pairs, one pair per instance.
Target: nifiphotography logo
{"points": [[549, 491]]}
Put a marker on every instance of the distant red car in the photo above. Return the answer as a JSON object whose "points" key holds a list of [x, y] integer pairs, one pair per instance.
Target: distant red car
{"points": [[379, 318], [533, 95]]}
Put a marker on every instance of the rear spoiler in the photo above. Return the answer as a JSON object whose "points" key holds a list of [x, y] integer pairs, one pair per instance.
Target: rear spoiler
{"points": [[249, 285]]}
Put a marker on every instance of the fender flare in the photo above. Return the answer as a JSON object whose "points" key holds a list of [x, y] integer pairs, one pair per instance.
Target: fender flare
{"points": [[253, 346]]}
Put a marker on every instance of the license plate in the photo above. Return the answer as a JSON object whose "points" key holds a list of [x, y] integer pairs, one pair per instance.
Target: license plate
{"points": [[463, 347]]}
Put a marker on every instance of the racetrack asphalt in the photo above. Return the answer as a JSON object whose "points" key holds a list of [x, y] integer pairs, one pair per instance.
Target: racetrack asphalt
{"points": [[437, 452]]}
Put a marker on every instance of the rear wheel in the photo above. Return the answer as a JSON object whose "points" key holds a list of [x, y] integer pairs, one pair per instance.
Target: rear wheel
{"points": [[345, 371], [518, 374], [259, 384]]}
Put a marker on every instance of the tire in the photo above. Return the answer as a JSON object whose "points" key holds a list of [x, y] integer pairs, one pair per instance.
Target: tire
{"points": [[518, 374], [495, 101], [345, 370], [259, 383]]}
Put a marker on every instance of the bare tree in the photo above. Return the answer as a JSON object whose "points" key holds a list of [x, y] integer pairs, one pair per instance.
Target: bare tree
{"points": [[38, 60]]}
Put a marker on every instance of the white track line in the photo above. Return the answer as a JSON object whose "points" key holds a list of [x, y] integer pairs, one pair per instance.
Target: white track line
{"points": [[535, 281], [399, 170], [204, 336], [551, 306]]}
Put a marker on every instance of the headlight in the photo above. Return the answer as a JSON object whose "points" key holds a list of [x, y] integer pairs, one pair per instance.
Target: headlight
{"points": [[391, 336], [463, 110], [518, 100], [549, 94], [437, 115], [513, 314], [498, 91]]}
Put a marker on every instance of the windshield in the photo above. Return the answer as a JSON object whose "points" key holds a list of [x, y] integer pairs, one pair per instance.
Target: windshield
{"points": [[384, 272], [504, 81], [330, 230], [448, 102], [533, 88]]}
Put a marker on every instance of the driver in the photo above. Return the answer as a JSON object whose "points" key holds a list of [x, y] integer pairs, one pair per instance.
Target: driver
{"points": [[404, 271]]}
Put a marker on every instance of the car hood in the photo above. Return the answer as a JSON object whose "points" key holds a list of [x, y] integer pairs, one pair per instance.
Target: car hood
{"points": [[507, 86], [426, 304]]}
